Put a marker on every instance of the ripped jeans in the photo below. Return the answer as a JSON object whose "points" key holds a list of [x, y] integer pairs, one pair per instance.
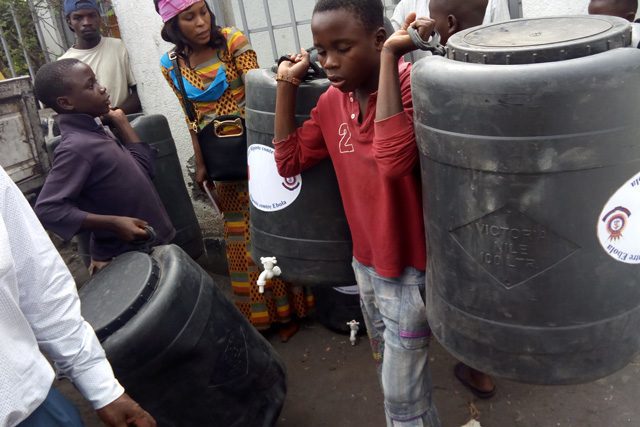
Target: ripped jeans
{"points": [[396, 320]]}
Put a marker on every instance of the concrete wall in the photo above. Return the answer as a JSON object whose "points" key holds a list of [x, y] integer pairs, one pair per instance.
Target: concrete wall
{"points": [[140, 28]]}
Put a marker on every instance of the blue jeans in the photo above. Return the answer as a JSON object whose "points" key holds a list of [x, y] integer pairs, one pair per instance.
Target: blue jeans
{"points": [[55, 411], [396, 320]]}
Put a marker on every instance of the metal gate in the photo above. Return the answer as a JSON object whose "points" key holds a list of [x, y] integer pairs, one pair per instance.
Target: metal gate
{"points": [[274, 27], [22, 152]]}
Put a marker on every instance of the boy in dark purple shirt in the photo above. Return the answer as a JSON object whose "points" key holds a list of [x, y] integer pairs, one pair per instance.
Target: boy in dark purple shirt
{"points": [[96, 183]]}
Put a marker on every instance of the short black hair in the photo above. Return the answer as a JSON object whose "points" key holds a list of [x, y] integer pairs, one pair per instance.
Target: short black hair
{"points": [[370, 12], [51, 82]]}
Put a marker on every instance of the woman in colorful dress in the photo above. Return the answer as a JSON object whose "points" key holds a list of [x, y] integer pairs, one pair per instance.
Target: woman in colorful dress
{"points": [[213, 63]]}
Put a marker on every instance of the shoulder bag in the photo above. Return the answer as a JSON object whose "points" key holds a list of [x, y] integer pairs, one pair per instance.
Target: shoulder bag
{"points": [[223, 142]]}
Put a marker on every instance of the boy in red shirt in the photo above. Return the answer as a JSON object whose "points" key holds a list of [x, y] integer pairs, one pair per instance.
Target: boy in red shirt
{"points": [[364, 123]]}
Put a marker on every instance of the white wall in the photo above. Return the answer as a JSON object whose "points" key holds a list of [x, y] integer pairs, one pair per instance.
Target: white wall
{"points": [[535, 8], [140, 27], [49, 32]]}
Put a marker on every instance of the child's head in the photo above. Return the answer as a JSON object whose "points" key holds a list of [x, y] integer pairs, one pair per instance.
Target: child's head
{"points": [[349, 35], [69, 86], [452, 16], [623, 8]]}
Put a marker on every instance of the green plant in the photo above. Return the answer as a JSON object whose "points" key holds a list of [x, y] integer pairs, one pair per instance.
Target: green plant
{"points": [[29, 46]]}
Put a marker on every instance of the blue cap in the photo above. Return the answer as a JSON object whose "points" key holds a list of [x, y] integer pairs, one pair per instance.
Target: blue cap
{"points": [[74, 5]]}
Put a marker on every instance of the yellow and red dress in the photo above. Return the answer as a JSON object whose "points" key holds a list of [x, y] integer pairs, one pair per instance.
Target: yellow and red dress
{"points": [[280, 300]]}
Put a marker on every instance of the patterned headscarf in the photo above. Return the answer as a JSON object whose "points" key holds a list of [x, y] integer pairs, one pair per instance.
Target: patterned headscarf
{"points": [[170, 8]]}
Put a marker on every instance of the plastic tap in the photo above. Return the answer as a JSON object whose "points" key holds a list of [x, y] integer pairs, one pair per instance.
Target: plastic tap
{"points": [[270, 271], [355, 327]]}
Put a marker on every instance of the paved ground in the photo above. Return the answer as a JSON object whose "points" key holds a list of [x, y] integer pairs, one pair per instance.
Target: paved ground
{"points": [[332, 384]]}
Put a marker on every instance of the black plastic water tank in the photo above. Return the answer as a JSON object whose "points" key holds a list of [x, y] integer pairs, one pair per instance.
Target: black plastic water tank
{"points": [[299, 220], [179, 346], [335, 306], [519, 163], [169, 182]]}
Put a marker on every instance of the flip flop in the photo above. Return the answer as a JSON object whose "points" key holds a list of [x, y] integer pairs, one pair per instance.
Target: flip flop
{"points": [[287, 330], [461, 371]]}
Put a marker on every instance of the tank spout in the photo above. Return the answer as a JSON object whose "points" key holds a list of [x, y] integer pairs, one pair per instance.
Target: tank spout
{"points": [[354, 327], [270, 271]]}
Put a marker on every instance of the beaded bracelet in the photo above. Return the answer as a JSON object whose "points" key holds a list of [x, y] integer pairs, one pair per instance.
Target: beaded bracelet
{"points": [[282, 77]]}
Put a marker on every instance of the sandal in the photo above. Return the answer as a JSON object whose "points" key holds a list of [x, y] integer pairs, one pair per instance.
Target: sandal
{"points": [[287, 330], [461, 371]]}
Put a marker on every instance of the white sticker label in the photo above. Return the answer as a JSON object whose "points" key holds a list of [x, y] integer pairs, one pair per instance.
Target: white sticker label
{"points": [[619, 223], [269, 191]]}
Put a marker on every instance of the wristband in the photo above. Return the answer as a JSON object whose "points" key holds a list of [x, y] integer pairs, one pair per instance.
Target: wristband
{"points": [[282, 77]]}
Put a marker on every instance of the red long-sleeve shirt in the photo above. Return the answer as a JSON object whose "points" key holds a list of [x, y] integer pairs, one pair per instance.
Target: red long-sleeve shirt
{"points": [[376, 167]]}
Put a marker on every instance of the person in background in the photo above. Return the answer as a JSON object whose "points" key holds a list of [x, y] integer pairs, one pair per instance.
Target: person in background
{"points": [[41, 315], [107, 57], [204, 50], [96, 182], [494, 11], [625, 9], [622, 8]]}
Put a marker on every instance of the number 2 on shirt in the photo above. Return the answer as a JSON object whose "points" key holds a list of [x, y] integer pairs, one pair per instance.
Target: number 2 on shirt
{"points": [[345, 137]]}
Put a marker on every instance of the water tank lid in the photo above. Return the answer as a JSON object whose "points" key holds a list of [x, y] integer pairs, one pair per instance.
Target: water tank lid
{"points": [[116, 294], [549, 39]]}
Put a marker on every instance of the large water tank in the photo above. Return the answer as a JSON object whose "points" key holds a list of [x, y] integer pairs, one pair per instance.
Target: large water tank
{"points": [[528, 138], [179, 346], [338, 305], [169, 182], [299, 220]]}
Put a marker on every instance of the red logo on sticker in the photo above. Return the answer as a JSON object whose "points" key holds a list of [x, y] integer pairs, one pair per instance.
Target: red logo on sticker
{"points": [[291, 183], [616, 221]]}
